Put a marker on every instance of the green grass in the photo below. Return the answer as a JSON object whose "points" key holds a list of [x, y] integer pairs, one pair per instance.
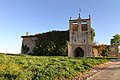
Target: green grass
{"points": [[25, 67]]}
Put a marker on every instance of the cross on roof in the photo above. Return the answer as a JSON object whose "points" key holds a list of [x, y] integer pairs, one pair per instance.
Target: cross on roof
{"points": [[79, 12]]}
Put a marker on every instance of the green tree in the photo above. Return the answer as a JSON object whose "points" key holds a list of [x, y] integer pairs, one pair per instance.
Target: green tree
{"points": [[115, 40]]}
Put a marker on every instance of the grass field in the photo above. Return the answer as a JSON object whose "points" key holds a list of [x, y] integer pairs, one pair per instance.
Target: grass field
{"points": [[25, 67]]}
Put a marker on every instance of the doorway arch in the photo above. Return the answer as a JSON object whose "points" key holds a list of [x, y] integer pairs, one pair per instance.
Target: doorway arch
{"points": [[79, 52]]}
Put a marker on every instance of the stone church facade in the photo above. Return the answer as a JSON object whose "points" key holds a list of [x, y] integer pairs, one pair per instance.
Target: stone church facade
{"points": [[80, 44]]}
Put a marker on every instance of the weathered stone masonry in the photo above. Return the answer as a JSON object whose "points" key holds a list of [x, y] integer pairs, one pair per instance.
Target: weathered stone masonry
{"points": [[80, 44], [29, 41]]}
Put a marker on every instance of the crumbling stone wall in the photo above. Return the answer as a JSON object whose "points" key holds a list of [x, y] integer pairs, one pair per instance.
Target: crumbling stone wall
{"points": [[29, 42], [113, 50], [95, 52]]}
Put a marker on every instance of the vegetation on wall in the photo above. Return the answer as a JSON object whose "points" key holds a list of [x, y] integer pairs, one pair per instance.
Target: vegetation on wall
{"points": [[105, 51], [25, 49], [52, 43], [92, 35]]}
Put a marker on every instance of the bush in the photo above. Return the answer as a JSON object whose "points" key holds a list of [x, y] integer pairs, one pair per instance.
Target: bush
{"points": [[105, 52], [25, 49]]}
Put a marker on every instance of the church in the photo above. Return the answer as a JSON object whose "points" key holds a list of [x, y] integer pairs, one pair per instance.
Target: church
{"points": [[79, 44]]}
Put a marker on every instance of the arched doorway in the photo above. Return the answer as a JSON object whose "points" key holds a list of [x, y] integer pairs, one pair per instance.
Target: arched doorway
{"points": [[79, 52]]}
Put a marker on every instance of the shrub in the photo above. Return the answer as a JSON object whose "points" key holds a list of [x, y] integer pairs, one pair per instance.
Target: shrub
{"points": [[25, 49]]}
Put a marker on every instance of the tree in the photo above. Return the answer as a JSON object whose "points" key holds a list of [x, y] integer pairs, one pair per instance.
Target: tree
{"points": [[115, 40]]}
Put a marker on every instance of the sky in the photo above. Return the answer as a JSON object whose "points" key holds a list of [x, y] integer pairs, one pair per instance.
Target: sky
{"points": [[37, 16]]}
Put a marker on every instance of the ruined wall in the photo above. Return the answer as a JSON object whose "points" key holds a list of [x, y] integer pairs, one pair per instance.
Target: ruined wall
{"points": [[30, 42], [95, 52], [113, 50]]}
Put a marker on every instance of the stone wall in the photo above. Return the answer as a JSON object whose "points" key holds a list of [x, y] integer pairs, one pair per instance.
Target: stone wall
{"points": [[95, 52], [30, 42], [80, 37], [113, 50]]}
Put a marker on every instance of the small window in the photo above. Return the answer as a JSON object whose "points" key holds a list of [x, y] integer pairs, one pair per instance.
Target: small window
{"points": [[84, 40], [84, 22], [75, 23], [75, 40]]}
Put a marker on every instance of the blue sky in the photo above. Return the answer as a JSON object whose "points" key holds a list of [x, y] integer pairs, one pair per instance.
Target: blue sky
{"points": [[36, 16]]}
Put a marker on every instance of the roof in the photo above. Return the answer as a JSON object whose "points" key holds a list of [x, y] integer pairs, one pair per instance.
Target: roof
{"points": [[28, 36], [79, 19]]}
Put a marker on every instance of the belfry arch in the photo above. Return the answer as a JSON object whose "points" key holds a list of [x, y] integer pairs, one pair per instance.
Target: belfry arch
{"points": [[78, 52]]}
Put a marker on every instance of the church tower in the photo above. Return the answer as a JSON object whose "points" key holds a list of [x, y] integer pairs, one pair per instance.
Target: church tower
{"points": [[80, 44]]}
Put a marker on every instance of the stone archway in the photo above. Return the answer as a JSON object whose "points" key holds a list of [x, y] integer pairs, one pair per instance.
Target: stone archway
{"points": [[79, 52]]}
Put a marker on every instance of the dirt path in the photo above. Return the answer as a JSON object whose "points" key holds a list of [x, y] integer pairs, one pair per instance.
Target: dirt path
{"points": [[110, 73]]}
